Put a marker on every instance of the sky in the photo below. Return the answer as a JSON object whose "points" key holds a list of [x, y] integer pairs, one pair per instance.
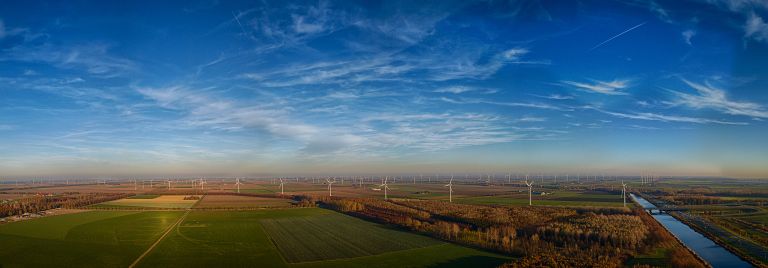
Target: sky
{"points": [[141, 88]]}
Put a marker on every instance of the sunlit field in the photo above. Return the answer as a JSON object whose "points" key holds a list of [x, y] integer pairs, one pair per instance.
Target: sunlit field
{"points": [[109, 239], [304, 237], [149, 201]]}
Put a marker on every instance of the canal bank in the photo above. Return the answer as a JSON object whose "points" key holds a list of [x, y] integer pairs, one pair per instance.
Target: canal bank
{"points": [[704, 248]]}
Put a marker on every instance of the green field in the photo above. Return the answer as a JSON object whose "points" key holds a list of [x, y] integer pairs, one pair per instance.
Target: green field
{"points": [[657, 258], [247, 238], [334, 236], [88, 239]]}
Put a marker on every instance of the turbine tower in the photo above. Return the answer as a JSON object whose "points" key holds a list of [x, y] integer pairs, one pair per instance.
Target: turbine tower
{"points": [[281, 187], [386, 187], [624, 192], [450, 190], [330, 186], [237, 182], [530, 190], [169, 184]]}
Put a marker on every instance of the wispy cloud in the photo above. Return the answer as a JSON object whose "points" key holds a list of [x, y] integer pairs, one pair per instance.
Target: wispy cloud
{"points": [[710, 97], [603, 87], [464, 89], [409, 29], [508, 104], [740, 5], [2, 30], [529, 119], [756, 28], [454, 89], [687, 35], [473, 64], [443, 66], [92, 58], [660, 12], [203, 109], [555, 97], [10, 31], [667, 118], [302, 22], [435, 132]]}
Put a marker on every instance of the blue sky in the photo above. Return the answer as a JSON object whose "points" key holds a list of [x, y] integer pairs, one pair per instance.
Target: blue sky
{"points": [[102, 88]]}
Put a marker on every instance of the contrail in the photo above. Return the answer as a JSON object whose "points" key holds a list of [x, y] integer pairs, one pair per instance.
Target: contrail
{"points": [[238, 23], [615, 36]]}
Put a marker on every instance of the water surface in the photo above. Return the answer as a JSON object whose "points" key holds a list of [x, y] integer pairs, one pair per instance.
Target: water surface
{"points": [[707, 249]]}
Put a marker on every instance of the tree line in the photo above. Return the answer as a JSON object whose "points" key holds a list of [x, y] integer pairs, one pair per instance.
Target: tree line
{"points": [[41, 202], [540, 236]]}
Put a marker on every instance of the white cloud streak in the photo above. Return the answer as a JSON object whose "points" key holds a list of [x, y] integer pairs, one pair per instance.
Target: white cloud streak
{"points": [[508, 104], [93, 58], [666, 118], [603, 87], [710, 97]]}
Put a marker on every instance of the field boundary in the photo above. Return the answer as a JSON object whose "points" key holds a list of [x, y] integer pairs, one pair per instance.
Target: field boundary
{"points": [[170, 228]]}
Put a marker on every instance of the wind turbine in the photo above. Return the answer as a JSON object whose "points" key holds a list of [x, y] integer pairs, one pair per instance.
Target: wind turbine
{"points": [[624, 192], [386, 187], [330, 186], [281, 186], [169, 184], [530, 190], [450, 190], [202, 184], [237, 182]]}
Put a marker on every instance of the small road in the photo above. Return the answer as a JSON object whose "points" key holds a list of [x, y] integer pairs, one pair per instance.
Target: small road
{"points": [[170, 228]]}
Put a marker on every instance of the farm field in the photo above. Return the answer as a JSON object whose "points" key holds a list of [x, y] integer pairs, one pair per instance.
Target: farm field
{"points": [[335, 236], [559, 198], [144, 196], [238, 239], [92, 238], [14, 196], [235, 201], [87, 188], [256, 191], [164, 201]]}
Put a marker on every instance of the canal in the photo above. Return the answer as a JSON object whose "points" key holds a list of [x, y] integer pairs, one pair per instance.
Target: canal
{"points": [[707, 249]]}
